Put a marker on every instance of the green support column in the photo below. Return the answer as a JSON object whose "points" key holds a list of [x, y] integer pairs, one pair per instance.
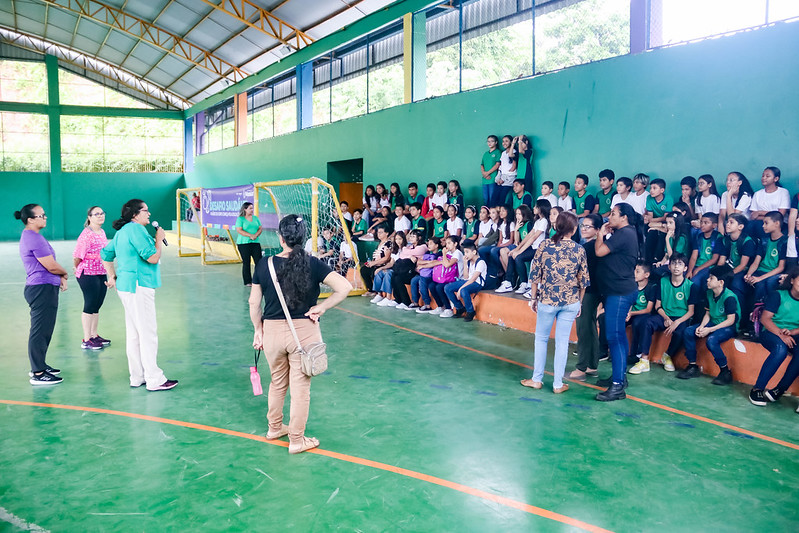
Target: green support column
{"points": [[55, 211]]}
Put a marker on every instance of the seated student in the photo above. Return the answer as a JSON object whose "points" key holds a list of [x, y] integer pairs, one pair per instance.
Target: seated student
{"points": [[688, 194], [674, 307], [454, 222], [657, 205], [705, 254], [780, 336], [737, 250], [546, 193], [530, 238], [427, 203], [584, 203], [638, 197], [447, 272], [763, 274], [455, 196], [506, 227], [383, 216], [380, 257], [437, 227], [771, 197], [470, 223], [405, 268], [707, 198], [624, 191], [676, 241], [792, 253], [487, 229], [440, 197], [553, 219], [384, 273], [414, 196], [420, 283], [470, 283], [345, 212], [519, 196], [417, 220], [401, 222], [565, 201], [736, 199], [397, 199], [325, 249], [719, 324], [642, 308], [605, 196], [359, 225]]}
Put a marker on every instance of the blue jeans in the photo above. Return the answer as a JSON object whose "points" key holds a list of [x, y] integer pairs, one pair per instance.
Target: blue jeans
{"points": [[713, 342], [489, 190], [382, 282], [516, 267], [637, 324], [778, 351], [765, 287], [656, 323], [419, 288], [437, 291], [699, 286], [616, 308], [451, 288], [501, 194], [563, 317], [738, 286]]}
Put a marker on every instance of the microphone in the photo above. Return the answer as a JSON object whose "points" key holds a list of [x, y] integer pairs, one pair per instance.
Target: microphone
{"points": [[154, 223]]}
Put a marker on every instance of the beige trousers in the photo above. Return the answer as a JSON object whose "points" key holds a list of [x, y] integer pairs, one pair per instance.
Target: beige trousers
{"points": [[141, 337], [283, 356]]}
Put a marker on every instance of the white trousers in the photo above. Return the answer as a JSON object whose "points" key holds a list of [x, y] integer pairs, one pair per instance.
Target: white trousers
{"points": [[141, 337]]}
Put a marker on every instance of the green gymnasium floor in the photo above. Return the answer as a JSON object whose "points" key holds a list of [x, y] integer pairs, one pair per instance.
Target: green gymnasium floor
{"points": [[422, 422]]}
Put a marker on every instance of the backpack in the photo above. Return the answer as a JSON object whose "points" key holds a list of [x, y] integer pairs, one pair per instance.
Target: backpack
{"points": [[755, 317], [442, 274], [427, 272]]}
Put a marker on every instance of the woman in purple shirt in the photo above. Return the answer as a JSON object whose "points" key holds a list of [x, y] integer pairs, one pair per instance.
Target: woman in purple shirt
{"points": [[44, 278]]}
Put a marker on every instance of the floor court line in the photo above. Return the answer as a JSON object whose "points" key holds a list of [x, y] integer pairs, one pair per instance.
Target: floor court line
{"points": [[531, 509], [700, 418]]}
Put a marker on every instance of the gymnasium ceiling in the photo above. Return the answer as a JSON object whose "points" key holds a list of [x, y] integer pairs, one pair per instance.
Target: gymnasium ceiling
{"points": [[183, 50]]}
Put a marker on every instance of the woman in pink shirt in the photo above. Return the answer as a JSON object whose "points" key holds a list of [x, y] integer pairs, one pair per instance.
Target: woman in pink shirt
{"points": [[91, 275]]}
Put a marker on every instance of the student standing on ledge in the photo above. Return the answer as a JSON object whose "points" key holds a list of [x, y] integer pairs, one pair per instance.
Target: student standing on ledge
{"points": [[488, 168], [44, 277]]}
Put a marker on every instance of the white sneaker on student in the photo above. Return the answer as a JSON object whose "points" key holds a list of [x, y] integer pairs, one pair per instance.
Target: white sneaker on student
{"points": [[391, 303], [384, 302], [376, 300], [505, 287], [401, 306], [436, 311], [523, 287], [446, 313], [528, 294], [425, 309]]}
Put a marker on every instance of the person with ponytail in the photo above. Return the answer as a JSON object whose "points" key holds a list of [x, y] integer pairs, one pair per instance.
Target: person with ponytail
{"points": [[136, 276], [559, 277], [299, 276], [91, 276], [44, 278]]}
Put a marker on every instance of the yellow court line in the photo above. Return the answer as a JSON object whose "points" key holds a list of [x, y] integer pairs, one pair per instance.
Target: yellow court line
{"points": [[531, 509], [650, 403]]}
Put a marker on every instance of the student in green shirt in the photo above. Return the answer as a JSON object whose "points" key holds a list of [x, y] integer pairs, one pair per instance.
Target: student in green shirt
{"points": [[359, 225], [705, 254], [489, 167], [438, 225], [470, 223], [413, 195], [674, 307], [719, 324], [584, 203], [417, 220], [657, 205], [605, 196], [769, 263], [519, 196]]}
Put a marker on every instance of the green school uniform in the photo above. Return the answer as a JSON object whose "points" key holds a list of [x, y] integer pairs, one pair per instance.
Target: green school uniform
{"points": [[658, 209], [439, 228], [787, 314], [468, 229], [705, 248], [682, 245], [524, 229], [736, 247], [490, 159], [773, 252], [361, 225], [605, 200], [717, 307], [641, 301], [674, 300]]}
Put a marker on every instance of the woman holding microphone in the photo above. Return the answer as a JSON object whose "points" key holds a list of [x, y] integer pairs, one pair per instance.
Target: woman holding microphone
{"points": [[136, 277]]}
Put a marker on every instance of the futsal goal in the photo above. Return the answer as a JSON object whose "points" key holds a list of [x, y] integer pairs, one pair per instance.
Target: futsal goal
{"points": [[213, 243]]}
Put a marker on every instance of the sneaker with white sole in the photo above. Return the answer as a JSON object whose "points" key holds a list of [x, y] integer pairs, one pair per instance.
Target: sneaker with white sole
{"points": [[425, 309], [414, 306], [505, 287], [401, 306], [668, 364], [436, 311], [49, 369], [45, 378], [524, 287], [528, 294], [639, 367], [385, 302], [376, 300], [446, 313], [91, 344], [391, 303], [166, 385]]}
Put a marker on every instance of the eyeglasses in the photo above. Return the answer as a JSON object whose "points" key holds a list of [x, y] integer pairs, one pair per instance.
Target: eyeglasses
{"points": [[587, 226], [144, 210], [39, 216], [101, 213]]}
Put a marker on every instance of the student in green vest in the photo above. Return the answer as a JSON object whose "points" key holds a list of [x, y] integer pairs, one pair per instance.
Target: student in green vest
{"points": [[642, 308], [455, 196], [437, 227], [674, 307], [763, 274], [515, 272], [584, 203], [519, 196], [605, 196], [470, 224], [524, 164], [704, 256], [719, 324], [779, 335], [414, 195], [737, 250], [359, 225], [489, 167], [657, 205], [417, 220]]}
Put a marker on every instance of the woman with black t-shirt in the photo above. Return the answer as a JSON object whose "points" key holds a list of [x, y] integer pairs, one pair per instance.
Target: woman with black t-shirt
{"points": [[299, 276], [617, 249]]}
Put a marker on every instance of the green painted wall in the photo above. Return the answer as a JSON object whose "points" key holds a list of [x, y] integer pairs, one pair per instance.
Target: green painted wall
{"points": [[709, 107], [79, 191]]}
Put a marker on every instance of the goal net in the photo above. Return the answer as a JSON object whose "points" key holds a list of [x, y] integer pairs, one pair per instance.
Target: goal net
{"points": [[213, 243], [328, 235]]}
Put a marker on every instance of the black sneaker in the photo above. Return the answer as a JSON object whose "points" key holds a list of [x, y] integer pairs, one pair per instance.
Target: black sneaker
{"points": [[631, 360], [724, 377], [166, 385], [607, 382], [458, 313], [45, 378], [48, 368], [468, 317], [774, 394], [614, 392], [413, 306], [604, 357], [757, 397], [691, 371]]}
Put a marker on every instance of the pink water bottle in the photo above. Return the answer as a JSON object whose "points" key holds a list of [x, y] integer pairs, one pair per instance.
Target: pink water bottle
{"points": [[256, 381]]}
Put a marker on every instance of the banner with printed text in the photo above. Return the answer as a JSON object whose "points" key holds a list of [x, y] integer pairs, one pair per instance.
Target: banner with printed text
{"points": [[221, 206]]}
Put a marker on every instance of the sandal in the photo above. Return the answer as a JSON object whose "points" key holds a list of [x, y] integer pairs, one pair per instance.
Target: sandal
{"points": [[532, 384], [578, 375], [305, 444], [591, 371], [282, 432]]}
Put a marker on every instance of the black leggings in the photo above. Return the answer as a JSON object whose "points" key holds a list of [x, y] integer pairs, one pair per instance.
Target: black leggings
{"points": [[398, 282], [247, 251], [94, 289]]}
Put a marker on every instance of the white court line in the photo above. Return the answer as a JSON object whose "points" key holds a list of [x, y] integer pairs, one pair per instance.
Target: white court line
{"points": [[17, 522]]}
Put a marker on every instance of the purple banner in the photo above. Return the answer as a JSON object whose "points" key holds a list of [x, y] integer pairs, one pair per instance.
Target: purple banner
{"points": [[221, 206]]}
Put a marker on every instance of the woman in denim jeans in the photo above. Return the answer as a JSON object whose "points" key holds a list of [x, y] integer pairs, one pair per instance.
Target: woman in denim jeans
{"points": [[558, 279]]}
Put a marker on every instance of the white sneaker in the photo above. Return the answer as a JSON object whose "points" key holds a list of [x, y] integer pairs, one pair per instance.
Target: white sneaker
{"points": [[424, 309], [528, 294], [384, 302], [446, 313], [376, 299], [524, 287], [391, 303], [505, 287], [436, 311], [401, 306]]}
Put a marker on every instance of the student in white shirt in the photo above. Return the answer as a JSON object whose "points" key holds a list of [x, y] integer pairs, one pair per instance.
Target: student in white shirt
{"points": [[736, 199], [707, 198], [440, 197], [507, 171], [486, 225], [401, 222], [472, 280], [638, 197], [624, 190], [454, 222], [565, 201], [546, 194], [526, 249], [771, 197]]}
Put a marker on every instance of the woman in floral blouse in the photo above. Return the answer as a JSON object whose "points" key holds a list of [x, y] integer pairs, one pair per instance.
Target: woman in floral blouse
{"points": [[558, 279], [91, 275]]}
